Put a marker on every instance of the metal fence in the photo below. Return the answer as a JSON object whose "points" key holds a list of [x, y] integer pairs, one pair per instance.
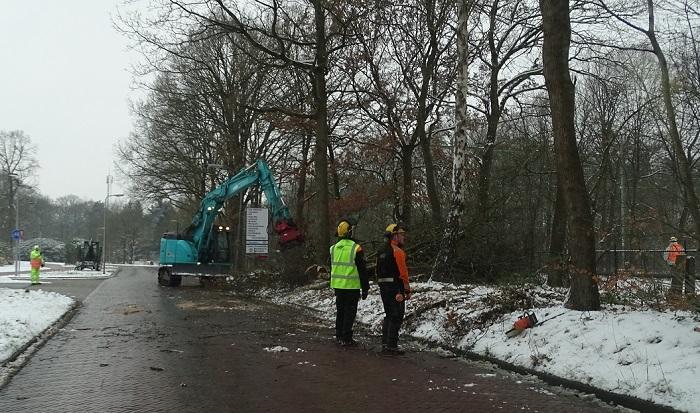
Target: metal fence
{"points": [[649, 263]]}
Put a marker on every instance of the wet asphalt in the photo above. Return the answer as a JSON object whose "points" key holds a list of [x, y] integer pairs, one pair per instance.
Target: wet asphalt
{"points": [[134, 346]]}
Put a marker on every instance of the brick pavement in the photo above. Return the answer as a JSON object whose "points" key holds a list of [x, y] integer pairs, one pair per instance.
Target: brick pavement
{"points": [[138, 347]]}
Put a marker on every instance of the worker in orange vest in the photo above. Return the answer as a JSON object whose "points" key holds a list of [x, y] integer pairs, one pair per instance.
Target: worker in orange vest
{"points": [[36, 261], [394, 287], [673, 250]]}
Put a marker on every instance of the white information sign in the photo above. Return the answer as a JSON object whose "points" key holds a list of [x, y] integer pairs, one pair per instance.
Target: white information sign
{"points": [[256, 238]]}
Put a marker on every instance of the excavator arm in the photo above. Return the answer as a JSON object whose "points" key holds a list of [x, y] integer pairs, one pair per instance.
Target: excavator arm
{"points": [[193, 247], [256, 174]]}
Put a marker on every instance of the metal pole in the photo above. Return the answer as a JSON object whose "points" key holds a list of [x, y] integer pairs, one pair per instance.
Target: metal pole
{"points": [[19, 237], [104, 232]]}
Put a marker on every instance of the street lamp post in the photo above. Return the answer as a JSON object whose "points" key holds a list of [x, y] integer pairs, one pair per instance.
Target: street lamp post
{"points": [[104, 223], [15, 177], [19, 237]]}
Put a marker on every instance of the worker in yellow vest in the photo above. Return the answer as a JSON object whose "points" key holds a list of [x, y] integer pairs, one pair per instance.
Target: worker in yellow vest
{"points": [[349, 280], [36, 261]]}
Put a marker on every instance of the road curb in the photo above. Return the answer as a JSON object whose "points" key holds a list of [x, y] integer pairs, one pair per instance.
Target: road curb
{"points": [[607, 396], [13, 364]]}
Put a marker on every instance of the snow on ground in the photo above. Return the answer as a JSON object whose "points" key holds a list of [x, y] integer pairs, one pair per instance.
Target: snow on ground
{"points": [[24, 315], [652, 355]]}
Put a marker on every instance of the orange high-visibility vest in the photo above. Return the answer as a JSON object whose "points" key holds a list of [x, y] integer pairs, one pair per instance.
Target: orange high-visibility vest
{"points": [[673, 251]]}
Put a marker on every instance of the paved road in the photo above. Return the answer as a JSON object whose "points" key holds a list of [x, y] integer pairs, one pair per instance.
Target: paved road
{"points": [[138, 347]]}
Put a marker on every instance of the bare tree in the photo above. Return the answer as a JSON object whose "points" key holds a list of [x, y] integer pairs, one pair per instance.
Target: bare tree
{"points": [[462, 168], [556, 24], [402, 98], [628, 19], [297, 36], [17, 163], [505, 44]]}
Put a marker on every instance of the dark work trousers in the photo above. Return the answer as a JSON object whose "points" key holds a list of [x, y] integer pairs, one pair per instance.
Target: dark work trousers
{"points": [[393, 315], [346, 310]]}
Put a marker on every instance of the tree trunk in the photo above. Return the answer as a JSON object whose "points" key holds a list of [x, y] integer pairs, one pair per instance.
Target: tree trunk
{"points": [[442, 269], [301, 181], [318, 76], [583, 293], [431, 186], [334, 172], [407, 184], [428, 77], [486, 165], [492, 119], [557, 242]]}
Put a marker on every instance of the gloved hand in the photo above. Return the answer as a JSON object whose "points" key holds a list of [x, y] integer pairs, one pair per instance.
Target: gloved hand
{"points": [[408, 293], [364, 294]]}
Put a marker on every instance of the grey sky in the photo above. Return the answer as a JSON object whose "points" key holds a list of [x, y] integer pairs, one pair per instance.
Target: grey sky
{"points": [[64, 81]]}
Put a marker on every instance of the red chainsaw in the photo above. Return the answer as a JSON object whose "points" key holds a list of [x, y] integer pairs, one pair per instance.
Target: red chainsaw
{"points": [[525, 321]]}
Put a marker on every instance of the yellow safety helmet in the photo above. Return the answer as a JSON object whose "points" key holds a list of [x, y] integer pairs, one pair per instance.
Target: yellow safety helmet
{"points": [[344, 229], [394, 229]]}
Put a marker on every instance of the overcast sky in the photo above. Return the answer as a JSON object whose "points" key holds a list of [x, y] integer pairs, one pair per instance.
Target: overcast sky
{"points": [[65, 82]]}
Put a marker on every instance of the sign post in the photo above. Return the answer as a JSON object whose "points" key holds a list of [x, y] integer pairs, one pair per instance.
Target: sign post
{"points": [[17, 236], [256, 237]]}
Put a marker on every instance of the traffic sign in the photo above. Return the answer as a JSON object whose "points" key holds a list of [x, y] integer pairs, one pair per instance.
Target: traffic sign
{"points": [[17, 234]]}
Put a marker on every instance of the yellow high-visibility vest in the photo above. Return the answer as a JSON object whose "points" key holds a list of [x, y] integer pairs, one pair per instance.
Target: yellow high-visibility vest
{"points": [[344, 273]]}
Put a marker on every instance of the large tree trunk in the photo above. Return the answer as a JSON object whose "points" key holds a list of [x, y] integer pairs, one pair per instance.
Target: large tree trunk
{"points": [[301, 181], [428, 77], [557, 242], [334, 172], [318, 78], [460, 164], [492, 120], [583, 293], [407, 184], [487, 164], [431, 186]]}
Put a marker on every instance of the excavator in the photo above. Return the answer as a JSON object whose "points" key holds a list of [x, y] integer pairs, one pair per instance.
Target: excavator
{"points": [[203, 248]]}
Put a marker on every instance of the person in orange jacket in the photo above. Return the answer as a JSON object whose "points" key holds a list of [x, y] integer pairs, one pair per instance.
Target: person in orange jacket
{"points": [[394, 287], [672, 252]]}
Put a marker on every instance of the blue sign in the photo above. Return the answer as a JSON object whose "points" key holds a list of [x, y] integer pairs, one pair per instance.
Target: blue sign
{"points": [[17, 234]]}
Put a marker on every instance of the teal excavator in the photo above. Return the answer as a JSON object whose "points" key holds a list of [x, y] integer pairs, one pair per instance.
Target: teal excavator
{"points": [[198, 249]]}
